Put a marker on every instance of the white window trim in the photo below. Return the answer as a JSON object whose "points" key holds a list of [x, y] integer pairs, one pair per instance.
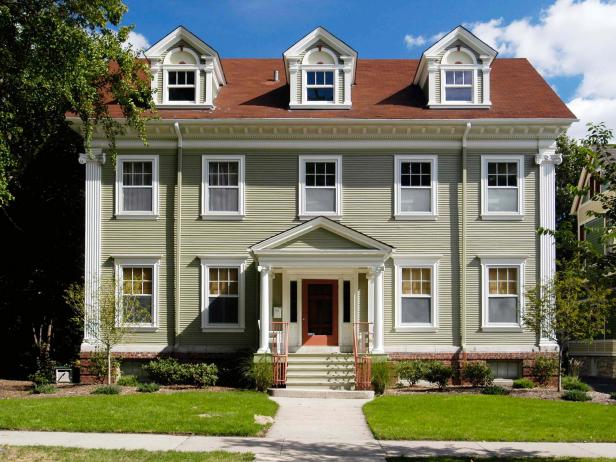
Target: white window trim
{"points": [[302, 213], [319, 68], [196, 86], [487, 215], [459, 67], [398, 213], [431, 262], [119, 191], [486, 264], [165, 67], [208, 262], [139, 262], [206, 214]]}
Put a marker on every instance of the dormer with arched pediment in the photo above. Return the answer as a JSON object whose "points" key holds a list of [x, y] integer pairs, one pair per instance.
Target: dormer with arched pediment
{"points": [[455, 71], [186, 71], [320, 71]]}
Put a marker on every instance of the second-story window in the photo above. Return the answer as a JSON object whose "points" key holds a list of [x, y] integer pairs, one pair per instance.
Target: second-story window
{"points": [[502, 191], [459, 86], [181, 86], [320, 86], [223, 187], [136, 185], [416, 184], [320, 186]]}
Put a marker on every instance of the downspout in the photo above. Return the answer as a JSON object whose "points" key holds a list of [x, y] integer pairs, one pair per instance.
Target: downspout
{"points": [[463, 242], [178, 235]]}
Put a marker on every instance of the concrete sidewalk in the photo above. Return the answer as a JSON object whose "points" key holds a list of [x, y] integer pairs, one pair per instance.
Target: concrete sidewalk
{"points": [[273, 449]]}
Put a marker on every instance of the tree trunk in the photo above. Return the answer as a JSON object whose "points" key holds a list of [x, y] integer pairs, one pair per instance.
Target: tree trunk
{"points": [[108, 366], [560, 366]]}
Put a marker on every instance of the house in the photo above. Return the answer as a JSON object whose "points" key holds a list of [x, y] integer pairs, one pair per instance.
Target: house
{"points": [[599, 357], [330, 198]]}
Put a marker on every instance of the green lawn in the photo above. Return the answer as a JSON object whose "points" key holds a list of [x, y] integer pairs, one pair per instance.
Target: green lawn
{"points": [[48, 454], [201, 412], [488, 418]]}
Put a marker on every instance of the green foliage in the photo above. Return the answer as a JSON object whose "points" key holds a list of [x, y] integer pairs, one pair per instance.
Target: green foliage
{"points": [[544, 369], [99, 364], [128, 381], [60, 57], [107, 390], [169, 371], [438, 373], [45, 369], [262, 372], [613, 395], [148, 387], [576, 395], [574, 383], [46, 389], [381, 376], [478, 373], [411, 371], [523, 383], [494, 390]]}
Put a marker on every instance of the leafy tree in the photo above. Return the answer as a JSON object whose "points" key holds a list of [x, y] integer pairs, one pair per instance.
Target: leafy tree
{"points": [[61, 56]]}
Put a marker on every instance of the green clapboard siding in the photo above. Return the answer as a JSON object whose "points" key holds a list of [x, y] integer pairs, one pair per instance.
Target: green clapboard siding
{"points": [[320, 239]]}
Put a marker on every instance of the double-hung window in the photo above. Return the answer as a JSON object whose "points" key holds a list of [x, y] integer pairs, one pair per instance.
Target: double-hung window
{"points": [[416, 187], [502, 187], [416, 286], [223, 187], [459, 86], [137, 281], [320, 186], [223, 288], [181, 86], [137, 185], [320, 86], [502, 293]]}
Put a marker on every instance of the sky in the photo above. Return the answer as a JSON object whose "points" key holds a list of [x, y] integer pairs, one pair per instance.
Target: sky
{"points": [[569, 42]]}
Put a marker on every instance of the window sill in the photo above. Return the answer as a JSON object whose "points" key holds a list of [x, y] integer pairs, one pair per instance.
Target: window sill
{"points": [[142, 329], [502, 329], [490, 217], [216, 217], [427, 329], [459, 106], [223, 330], [185, 105], [319, 106], [131, 216], [310, 217], [418, 217]]}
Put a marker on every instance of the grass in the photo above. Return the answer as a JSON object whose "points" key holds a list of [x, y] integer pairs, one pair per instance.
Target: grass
{"points": [[57, 454], [496, 459], [200, 412], [464, 417]]}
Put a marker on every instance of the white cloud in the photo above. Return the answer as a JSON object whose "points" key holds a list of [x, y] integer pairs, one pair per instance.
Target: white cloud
{"points": [[570, 38], [137, 41], [412, 41]]}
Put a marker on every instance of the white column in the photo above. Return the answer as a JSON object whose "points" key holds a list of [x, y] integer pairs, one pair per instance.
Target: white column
{"points": [[265, 272], [547, 159], [485, 71], [379, 346], [348, 78], [93, 162], [432, 70], [293, 72]]}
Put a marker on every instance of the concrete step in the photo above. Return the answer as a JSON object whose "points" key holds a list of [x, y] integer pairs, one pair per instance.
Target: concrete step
{"points": [[319, 367], [319, 393], [321, 374]]}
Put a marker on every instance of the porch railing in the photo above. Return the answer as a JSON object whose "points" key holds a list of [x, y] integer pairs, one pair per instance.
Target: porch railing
{"points": [[279, 346], [362, 343]]}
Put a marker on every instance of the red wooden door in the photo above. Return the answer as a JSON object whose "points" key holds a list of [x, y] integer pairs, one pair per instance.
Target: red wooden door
{"points": [[319, 312]]}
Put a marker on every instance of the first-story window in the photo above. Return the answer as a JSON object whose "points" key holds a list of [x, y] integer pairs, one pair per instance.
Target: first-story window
{"points": [[502, 293], [320, 185], [137, 185], [181, 86], [223, 186], [502, 190], [416, 187], [137, 290], [459, 86], [320, 86], [416, 287], [223, 294]]}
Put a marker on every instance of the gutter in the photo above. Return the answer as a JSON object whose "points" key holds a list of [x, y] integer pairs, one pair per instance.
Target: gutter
{"points": [[178, 234], [463, 241]]}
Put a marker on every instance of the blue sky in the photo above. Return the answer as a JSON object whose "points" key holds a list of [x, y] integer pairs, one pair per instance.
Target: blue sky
{"points": [[535, 29]]}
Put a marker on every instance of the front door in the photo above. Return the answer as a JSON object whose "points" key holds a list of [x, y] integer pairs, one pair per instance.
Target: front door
{"points": [[319, 312]]}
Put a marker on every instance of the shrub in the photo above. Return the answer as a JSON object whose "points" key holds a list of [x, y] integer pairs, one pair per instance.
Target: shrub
{"points": [[169, 371], [107, 390], [576, 395], [148, 387], [128, 381], [411, 371], [574, 383], [45, 389], [613, 395], [45, 370], [478, 374], [262, 372], [98, 365], [381, 375], [494, 390], [438, 373], [523, 383], [544, 369]]}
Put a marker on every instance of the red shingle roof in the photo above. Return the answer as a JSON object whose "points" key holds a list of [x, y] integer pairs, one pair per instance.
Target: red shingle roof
{"points": [[383, 90]]}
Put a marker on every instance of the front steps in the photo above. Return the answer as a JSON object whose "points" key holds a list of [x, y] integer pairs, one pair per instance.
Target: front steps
{"points": [[321, 371]]}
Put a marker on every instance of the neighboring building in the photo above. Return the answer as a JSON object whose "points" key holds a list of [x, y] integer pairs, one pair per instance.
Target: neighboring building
{"points": [[322, 189], [599, 357]]}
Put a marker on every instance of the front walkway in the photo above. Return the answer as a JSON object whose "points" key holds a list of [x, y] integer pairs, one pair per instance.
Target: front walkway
{"points": [[310, 429]]}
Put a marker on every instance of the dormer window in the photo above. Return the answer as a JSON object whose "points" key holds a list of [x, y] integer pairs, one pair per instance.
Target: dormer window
{"points": [[181, 86], [459, 86], [320, 86], [181, 79]]}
